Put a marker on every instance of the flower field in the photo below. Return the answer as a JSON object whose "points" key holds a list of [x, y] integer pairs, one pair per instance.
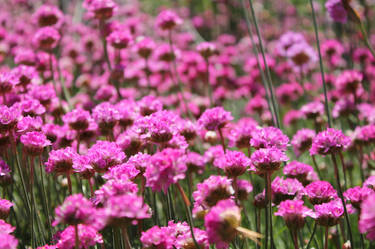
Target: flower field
{"points": [[191, 124]]}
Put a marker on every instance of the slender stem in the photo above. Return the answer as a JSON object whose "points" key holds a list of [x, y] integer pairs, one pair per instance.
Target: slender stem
{"points": [[268, 72], [365, 39], [312, 236], [254, 47], [69, 183], [208, 82], [235, 187], [32, 202], [222, 139], [105, 47], [91, 187], [326, 239], [343, 169], [316, 166], [177, 81], [269, 194], [295, 240], [188, 213], [321, 65], [337, 176], [125, 235], [45, 201], [76, 237]]}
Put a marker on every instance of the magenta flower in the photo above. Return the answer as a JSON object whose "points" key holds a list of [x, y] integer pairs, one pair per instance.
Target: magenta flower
{"points": [[5, 177], [6, 228], [302, 172], [114, 187], [313, 109], [8, 241], [8, 81], [221, 223], [212, 190], [207, 49], [9, 117], [149, 104], [349, 81], [269, 137], [120, 39], [145, 47], [48, 15], [126, 170], [319, 192], [268, 159], [357, 195], [195, 162], [106, 116], [76, 209], [167, 20], [88, 236], [166, 167], [367, 218], [5, 206], [328, 214], [234, 163], [60, 161], [329, 141], [104, 154], [101, 9], [46, 38], [370, 182], [244, 189], [214, 118], [77, 119], [82, 166], [34, 143], [337, 10], [157, 237], [241, 133], [286, 189], [126, 209], [294, 213], [302, 140]]}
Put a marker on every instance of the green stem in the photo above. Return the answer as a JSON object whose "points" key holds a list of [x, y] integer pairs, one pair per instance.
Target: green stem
{"points": [[337, 176], [253, 45], [268, 72], [321, 65], [365, 39], [76, 237]]}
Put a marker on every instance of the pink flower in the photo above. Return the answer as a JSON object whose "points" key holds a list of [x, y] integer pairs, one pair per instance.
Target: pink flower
{"points": [[283, 189], [34, 143], [320, 192], [9, 117], [269, 137], [5, 228], [126, 209], [212, 190], [367, 218], [195, 162], [46, 38], [241, 133], [166, 167], [337, 10], [357, 195], [76, 209], [77, 119], [5, 177], [167, 20], [329, 141], [303, 172], [101, 9], [302, 140], [349, 81], [268, 159], [8, 241], [370, 182], [120, 39], [88, 236], [244, 189], [115, 187], [104, 154], [48, 15], [157, 237], [328, 214], [294, 213], [60, 161], [207, 49], [5, 206], [145, 47], [221, 223], [214, 118], [234, 163]]}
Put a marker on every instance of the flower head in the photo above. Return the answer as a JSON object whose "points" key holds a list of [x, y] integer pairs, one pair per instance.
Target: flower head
{"points": [[88, 236], [329, 141], [268, 159], [167, 20], [5, 206], [294, 213], [367, 217], [234, 163], [214, 118], [320, 192], [166, 167], [34, 142], [269, 137], [221, 223], [337, 11], [302, 140], [60, 161], [328, 214]]}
